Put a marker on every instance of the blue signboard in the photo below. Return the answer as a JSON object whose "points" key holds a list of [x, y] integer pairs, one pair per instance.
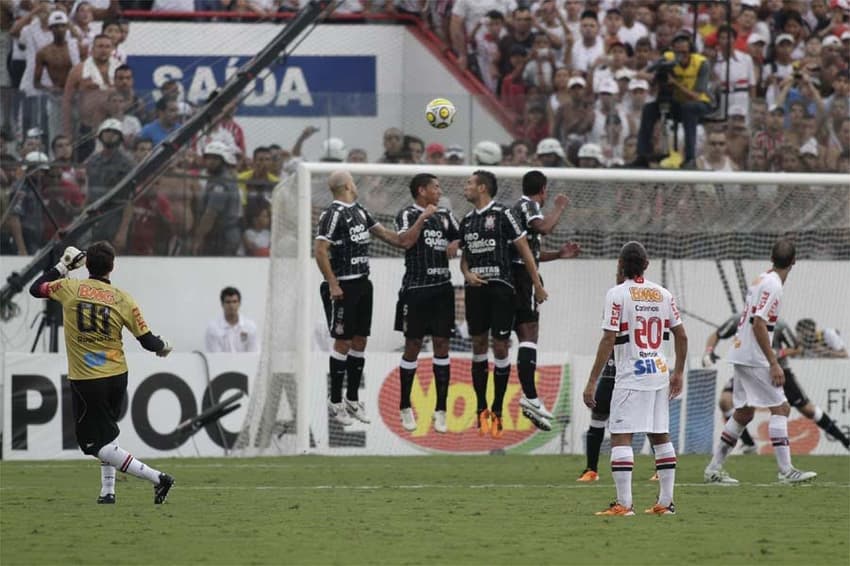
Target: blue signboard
{"points": [[303, 86]]}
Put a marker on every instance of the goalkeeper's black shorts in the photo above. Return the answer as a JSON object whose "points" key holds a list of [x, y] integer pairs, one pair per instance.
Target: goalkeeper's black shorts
{"points": [[351, 316], [97, 404], [426, 311]]}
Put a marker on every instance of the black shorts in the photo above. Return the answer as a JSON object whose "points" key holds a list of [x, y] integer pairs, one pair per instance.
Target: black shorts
{"points": [[426, 311], [602, 396], [352, 316], [97, 405], [490, 307], [526, 306], [796, 397]]}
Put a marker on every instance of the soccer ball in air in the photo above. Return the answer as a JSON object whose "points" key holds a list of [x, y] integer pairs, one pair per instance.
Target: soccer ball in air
{"points": [[440, 113]]}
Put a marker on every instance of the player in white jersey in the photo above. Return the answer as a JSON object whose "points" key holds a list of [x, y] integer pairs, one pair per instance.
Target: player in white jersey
{"points": [[639, 316], [757, 374]]}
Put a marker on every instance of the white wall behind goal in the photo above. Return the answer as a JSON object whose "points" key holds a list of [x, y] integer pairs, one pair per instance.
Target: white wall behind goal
{"points": [[180, 295]]}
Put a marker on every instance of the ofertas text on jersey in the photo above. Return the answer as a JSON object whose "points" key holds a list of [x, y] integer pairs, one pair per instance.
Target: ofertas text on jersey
{"points": [[642, 314], [426, 263], [487, 237], [346, 227]]}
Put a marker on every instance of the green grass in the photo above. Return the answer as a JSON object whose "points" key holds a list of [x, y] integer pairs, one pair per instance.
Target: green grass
{"points": [[419, 510]]}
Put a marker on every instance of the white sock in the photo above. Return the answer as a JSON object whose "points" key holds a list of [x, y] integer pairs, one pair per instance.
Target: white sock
{"points": [[728, 439], [622, 462], [777, 429], [124, 461], [107, 479], [665, 465], [818, 414]]}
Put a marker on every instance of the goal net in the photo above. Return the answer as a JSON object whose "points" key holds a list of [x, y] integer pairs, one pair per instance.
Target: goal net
{"points": [[707, 235]]}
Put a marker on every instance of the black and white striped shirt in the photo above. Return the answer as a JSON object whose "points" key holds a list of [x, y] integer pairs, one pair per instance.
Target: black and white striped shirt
{"points": [[526, 210], [346, 227], [426, 263], [487, 237]]}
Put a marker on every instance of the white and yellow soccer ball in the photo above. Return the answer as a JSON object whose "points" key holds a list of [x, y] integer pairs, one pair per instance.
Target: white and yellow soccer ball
{"points": [[440, 113]]}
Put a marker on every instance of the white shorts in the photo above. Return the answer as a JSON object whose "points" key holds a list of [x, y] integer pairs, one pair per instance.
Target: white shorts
{"points": [[752, 387], [640, 411]]}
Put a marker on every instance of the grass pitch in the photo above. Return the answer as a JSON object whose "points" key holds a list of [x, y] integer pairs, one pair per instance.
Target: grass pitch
{"points": [[420, 510]]}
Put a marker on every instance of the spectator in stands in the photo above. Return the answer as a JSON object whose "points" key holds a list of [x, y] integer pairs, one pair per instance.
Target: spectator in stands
{"points": [[167, 121], [690, 99], [435, 154], [113, 30], [634, 103], [519, 35], [25, 221], [487, 153], [141, 148], [611, 142], [631, 30], [217, 231], [768, 141], [780, 68], [590, 156], [610, 65], [231, 332], [116, 106], [519, 155], [104, 170], [792, 24], [86, 91], [357, 155], [63, 200], [63, 157], [738, 66], [643, 54], [809, 154], [124, 84], [799, 88], [840, 90], [393, 146], [33, 141], [550, 153], [513, 86], [333, 151], [455, 155], [716, 156], [540, 65], [150, 225], [57, 58], [465, 15], [548, 19], [230, 133], [258, 182], [607, 106], [737, 135], [487, 35], [256, 241], [586, 53], [415, 147], [82, 27], [561, 92], [536, 124], [574, 120], [172, 89], [630, 149]]}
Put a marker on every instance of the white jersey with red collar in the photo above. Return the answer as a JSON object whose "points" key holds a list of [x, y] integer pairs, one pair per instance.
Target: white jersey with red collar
{"points": [[763, 298], [642, 314]]}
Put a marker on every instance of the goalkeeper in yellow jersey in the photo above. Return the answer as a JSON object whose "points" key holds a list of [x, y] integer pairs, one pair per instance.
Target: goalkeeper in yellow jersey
{"points": [[95, 312]]}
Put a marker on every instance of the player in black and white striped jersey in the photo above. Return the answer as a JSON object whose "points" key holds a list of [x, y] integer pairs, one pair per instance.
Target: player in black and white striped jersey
{"points": [[342, 254], [531, 220], [426, 300], [488, 235]]}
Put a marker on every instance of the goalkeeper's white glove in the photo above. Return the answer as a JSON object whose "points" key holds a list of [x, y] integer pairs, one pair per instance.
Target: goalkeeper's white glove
{"points": [[72, 258], [166, 348], [709, 359]]}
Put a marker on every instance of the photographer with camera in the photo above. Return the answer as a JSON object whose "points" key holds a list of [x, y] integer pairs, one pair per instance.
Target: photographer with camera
{"points": [[682, 78]]}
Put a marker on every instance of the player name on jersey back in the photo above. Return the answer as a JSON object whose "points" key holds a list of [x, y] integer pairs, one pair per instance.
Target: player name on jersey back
{"points": [[347, 227], [488, 236], [763, 298], [526, 210], [426, 263], [641, 313]]}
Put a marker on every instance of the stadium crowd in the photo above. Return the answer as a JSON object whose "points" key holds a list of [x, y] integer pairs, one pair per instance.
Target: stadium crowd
{"points": [[585, 82]]}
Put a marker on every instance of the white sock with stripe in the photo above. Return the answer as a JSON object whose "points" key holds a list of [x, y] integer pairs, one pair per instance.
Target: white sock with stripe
{"points": [[107, 479], [124, 461], [728, 439], [777, 428], [665, 465], [622, 462]]}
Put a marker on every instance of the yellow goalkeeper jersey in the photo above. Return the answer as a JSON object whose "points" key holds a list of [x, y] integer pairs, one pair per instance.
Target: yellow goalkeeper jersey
{"points": [[95, 312]]}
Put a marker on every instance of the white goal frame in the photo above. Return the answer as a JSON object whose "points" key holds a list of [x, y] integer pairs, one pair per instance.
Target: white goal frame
{"points": [[304, 237]]}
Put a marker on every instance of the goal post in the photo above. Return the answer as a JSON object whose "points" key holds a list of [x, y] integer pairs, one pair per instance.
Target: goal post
{"points": [[697, 227]]}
